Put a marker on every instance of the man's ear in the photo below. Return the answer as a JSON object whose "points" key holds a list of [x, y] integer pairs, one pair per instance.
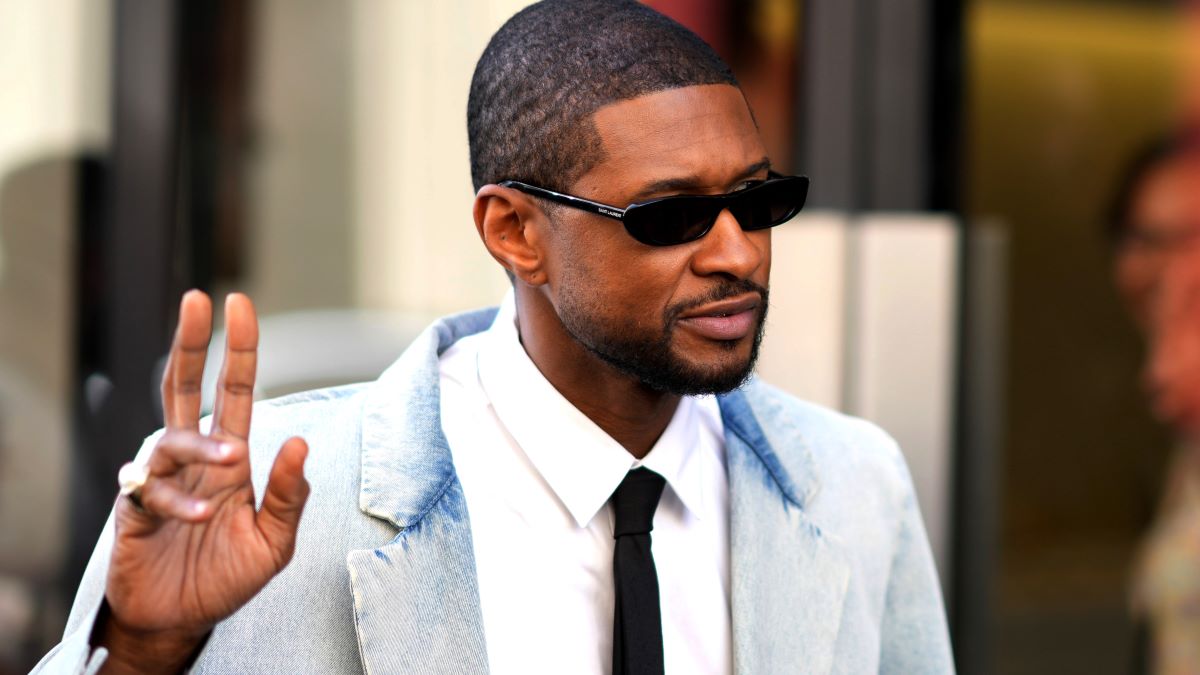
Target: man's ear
{"points": [[509, 222]]}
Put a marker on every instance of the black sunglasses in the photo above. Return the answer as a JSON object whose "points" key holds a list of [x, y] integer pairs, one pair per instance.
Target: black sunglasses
{"points": [[678, 219]]}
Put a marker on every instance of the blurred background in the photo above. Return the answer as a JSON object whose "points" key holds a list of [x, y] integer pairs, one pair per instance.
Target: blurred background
{"points": [[951, 278]]}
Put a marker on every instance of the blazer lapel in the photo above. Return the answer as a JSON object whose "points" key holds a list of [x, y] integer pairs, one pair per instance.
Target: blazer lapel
{"points": [[416, 598], [789, 578]]}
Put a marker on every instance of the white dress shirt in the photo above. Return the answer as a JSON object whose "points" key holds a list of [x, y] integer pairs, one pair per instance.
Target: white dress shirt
{"points": [[537, 475]]}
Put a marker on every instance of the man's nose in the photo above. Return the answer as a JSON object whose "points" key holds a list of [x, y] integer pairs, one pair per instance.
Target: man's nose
{"points": [[728, 249]]}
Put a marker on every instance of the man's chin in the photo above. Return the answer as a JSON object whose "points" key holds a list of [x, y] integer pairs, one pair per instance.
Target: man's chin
{"points": [[681, 363], [714, 376], [705, 366]]}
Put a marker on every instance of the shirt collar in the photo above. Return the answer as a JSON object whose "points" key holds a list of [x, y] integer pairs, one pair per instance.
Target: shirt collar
{"points": [[580, 462]]}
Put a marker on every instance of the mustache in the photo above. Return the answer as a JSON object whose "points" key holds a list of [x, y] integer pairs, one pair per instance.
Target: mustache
{"points": [[726, 289]]}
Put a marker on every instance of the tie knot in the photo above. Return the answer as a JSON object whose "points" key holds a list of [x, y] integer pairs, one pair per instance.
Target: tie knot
{"points": [[635, 500]]}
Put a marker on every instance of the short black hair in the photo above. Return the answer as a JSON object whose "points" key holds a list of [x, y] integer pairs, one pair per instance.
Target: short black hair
{"points": [[552, 65]]}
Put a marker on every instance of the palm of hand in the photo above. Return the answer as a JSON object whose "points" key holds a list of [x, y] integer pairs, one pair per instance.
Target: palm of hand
{"points": [[197, 549], [196, 573]]}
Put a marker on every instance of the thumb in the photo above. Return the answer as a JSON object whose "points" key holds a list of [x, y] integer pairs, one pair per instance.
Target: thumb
{"points": [[284, 499]]}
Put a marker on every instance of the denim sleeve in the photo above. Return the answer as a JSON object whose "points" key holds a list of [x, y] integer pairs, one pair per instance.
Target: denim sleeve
{"points": [[75, 654], [914, 635]]}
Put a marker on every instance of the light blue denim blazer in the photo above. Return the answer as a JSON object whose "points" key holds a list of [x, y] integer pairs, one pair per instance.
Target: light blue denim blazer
{"points": [[830, 567]]}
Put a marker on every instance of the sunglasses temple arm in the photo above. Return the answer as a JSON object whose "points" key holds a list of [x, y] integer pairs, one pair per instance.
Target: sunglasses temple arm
{"points": [[567, 200]]}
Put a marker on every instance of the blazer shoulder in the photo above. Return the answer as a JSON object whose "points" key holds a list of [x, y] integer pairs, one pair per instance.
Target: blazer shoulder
{"points": [[808, 437], [326, 398], [307, 411], [328, 419], [785, 414]]}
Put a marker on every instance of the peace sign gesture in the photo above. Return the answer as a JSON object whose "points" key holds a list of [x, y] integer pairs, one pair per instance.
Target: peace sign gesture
{"points": [[190, 547]]}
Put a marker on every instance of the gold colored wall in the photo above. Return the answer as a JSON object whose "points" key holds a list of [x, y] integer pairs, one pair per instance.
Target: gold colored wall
{"points": [[1059, 96]]}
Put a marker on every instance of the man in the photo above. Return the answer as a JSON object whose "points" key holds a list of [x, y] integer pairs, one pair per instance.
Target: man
{"points": [[1155, 225], [487, 504]]}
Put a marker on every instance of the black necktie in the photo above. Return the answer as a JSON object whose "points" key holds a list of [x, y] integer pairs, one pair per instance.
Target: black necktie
{"points": [[637, 621]]}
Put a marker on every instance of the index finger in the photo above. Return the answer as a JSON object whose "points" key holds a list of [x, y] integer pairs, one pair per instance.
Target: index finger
{"points": [[235, 387], [185, 365]]}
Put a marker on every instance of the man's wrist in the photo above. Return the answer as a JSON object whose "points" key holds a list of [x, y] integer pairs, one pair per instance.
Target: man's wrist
{"points": [[139, 651]]}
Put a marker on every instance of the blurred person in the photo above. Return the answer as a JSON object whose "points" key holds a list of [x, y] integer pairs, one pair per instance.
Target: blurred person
{"points": [[1152, 219], [488, 503], [1157, 225]]}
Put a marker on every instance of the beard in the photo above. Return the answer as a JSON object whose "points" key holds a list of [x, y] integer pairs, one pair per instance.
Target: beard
{"points": [[648, 358]]}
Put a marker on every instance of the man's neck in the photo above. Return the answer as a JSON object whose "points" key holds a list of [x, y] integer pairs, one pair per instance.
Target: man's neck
{"points": [[631, 413]]}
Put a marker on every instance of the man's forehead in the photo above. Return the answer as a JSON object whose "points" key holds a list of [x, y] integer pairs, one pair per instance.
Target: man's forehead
{"points": [[1172, 187], [705, 131]]}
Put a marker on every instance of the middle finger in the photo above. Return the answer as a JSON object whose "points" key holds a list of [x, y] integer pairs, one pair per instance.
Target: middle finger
{"points": [[235, 387]]}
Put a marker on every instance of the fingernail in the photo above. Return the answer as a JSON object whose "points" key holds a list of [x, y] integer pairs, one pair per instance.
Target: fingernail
{"points": [[198, 507], [225, 450]]}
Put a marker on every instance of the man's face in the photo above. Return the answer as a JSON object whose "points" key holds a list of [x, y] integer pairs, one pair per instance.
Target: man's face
{"points": [[684, 319], [1162, 265], [1172, 372], [1164, 220]]}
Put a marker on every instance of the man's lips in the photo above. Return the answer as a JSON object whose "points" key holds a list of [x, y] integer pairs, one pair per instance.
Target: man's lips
{"points": [[731, 319]]}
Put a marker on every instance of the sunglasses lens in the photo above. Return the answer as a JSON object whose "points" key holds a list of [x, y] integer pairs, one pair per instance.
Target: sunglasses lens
{"points": [[678, 220], [671, 221], [771, 204]]}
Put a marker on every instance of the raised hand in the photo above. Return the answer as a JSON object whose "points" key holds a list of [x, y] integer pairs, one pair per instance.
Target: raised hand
{"points": [[197, 549]]}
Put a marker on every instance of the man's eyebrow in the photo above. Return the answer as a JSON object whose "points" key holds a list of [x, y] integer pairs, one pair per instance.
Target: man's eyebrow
{"points": [[684, 183]]}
